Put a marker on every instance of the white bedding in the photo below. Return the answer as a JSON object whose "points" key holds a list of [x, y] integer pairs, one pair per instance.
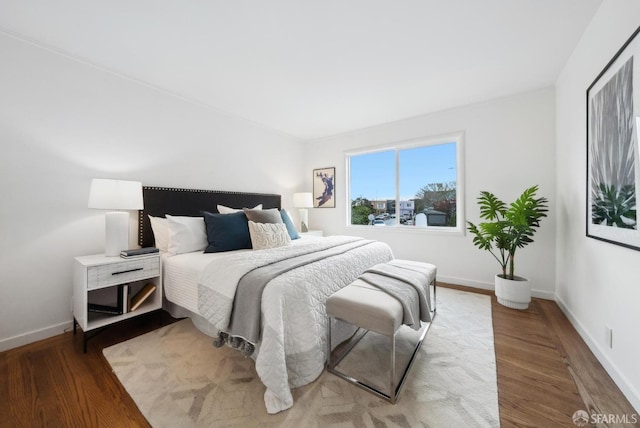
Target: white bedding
{"points": [[182, 272], [292, 350]]}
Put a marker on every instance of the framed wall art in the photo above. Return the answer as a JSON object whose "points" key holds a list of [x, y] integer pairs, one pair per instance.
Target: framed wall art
{"points": [[324, 191], [613, 163]]}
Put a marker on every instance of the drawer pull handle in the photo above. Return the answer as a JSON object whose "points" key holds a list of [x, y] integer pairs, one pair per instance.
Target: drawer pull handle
{"points": [[127, 271]]}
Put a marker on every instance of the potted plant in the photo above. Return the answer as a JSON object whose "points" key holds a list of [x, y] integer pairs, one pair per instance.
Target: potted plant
{"points": [[507, 228]]}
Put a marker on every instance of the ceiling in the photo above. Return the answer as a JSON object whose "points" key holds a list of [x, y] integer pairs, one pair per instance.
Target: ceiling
{"points": [[312, 69]]}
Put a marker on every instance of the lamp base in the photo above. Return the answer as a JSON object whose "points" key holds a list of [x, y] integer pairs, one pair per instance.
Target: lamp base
{"points": [[116, 233], [304, 219]]}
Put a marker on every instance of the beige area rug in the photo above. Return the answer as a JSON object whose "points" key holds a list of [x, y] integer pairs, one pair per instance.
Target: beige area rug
{"points": [[178, 379]]}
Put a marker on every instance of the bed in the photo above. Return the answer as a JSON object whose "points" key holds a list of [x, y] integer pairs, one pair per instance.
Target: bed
{"points": [[290, 351]]}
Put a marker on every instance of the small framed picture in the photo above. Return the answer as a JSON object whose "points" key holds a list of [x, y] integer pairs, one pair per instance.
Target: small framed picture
{"points": [[324, 191]]}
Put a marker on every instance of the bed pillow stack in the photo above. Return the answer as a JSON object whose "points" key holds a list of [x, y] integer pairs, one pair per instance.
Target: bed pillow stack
{"points": [[186, 234], [222, 209], [226, 232], [268, 235], [179, 234], [266, 229], [286, 219], [160, 228], [231, 229]]}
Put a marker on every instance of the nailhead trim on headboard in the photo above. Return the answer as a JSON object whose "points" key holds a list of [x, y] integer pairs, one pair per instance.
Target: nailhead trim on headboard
{"points": [[159, 201]]}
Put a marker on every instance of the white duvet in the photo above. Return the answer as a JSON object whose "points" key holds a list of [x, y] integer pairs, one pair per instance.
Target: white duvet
{"points": [[292, 349]]}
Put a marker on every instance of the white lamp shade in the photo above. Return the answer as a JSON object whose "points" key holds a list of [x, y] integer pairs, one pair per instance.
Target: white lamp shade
{"points": [[303, 200], [109, 194]]}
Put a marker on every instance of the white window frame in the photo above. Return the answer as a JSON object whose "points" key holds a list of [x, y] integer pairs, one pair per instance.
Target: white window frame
{"points": [[458, 139]]}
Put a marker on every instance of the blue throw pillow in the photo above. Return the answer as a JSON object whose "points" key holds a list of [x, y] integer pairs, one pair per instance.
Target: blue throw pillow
{"points": [[227, 232], [293, 233]]}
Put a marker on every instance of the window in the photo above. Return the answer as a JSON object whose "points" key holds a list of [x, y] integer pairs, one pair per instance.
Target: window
{"points": [[415, 184]]}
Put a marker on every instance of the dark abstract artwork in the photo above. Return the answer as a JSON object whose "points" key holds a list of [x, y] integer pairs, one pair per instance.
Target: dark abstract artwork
{"points": [[612, 152]]}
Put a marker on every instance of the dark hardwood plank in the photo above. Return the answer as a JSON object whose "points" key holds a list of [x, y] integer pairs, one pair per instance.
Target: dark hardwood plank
{"points": [[545, 373], [534, 387], [599, 393], [52, 383]]}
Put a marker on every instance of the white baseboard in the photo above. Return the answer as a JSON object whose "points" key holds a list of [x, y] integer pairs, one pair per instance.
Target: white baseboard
{"points": [[34, 336], [466, 282], [548, 295], [490, 286], [620, 379]]}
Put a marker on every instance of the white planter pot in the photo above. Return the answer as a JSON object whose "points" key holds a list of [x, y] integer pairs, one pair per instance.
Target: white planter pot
{"points": [[513, 293]]}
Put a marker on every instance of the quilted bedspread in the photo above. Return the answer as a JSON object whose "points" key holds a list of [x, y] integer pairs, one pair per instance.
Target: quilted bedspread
{"points": [[292, 350]]}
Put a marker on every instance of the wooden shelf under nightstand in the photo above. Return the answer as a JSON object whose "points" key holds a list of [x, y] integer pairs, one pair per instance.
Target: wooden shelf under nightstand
{"points": [[99, 279]]}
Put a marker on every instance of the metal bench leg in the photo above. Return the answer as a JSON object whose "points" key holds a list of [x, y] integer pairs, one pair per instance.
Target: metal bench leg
{"points": [[392, 385], [328, 342], [434, 295]]}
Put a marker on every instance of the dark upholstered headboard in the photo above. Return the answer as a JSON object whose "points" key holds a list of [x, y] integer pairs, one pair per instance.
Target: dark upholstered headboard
{"points": [[159, 201]]}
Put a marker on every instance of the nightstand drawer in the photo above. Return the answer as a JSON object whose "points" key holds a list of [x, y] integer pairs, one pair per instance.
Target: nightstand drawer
{"points": [[122, 272]]}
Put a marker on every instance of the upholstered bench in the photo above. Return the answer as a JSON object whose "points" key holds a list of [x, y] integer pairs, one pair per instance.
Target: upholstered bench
{"points": [[371, 309]]}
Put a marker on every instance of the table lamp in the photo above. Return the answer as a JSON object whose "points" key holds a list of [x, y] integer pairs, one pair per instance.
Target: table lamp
{"points": [[119, 196], [303, 201]]}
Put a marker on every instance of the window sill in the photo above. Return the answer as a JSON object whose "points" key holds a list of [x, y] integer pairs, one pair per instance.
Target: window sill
{"points": [[433, 230]]}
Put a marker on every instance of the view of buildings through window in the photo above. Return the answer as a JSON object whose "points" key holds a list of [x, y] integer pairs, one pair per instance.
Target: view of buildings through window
{"points": [[405, 186]]}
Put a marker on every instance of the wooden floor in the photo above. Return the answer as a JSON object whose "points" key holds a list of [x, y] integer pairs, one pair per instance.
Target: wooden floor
{"points": [[545, 374]]}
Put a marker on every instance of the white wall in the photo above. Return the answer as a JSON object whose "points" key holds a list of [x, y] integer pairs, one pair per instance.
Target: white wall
{"points": [[597, 282], [509, 144], [63, 122]]}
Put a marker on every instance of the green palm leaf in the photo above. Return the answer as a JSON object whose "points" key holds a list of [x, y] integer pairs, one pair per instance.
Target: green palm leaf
{"points": [[508, 227]]}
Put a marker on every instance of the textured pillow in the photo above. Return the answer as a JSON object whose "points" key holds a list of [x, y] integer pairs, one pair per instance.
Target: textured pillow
{"points": [[291, 229], [268, 235], [226, 210], [271, 215], [226, 232], [186, 234], [160, 228]]}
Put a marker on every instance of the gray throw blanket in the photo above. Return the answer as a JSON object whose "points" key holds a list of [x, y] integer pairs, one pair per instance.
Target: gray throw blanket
{"points": [[244, 327], [409, 286]]}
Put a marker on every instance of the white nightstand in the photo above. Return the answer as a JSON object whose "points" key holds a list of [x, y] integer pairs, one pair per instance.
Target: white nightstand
{"points": [[104, 286], [311, 233]]}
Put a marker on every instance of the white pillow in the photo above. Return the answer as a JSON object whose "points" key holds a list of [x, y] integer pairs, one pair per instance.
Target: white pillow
{"points": [[226, 210], [186, 234], [268, 235], [160, 227]]}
